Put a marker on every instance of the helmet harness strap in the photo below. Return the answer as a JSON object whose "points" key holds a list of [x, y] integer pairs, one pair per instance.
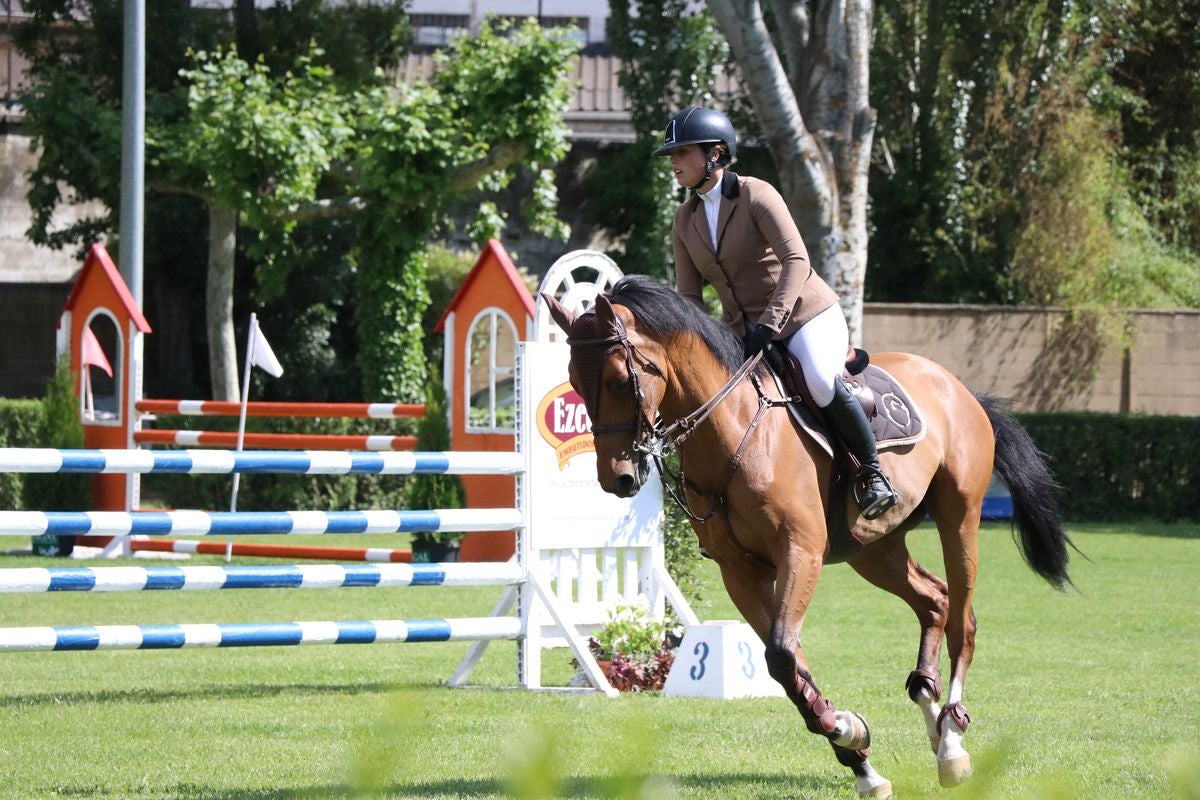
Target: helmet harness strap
{"points": [[710, 163]]}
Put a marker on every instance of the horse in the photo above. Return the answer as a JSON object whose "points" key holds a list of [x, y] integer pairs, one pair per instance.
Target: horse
{"points": [[655, 371]]}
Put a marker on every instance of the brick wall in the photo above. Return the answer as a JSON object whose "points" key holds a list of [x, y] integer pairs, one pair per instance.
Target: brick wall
{"points": [[1036, 358]]}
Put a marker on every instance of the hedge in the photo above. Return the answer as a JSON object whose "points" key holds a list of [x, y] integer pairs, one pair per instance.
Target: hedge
{"points": [[1121, 466], [19, 421]]}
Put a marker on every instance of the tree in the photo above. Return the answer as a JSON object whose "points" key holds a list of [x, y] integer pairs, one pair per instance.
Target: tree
{"points": [[495, 103], [806, 70], [669, 59], [393, 157], [73, 117], [58, 426], [437, 490], [1004, 126], [254, 148], [1157, 46], [272, 149]]}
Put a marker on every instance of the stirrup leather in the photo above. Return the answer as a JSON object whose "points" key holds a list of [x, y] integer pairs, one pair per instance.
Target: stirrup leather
{"points": [[872, 502]]}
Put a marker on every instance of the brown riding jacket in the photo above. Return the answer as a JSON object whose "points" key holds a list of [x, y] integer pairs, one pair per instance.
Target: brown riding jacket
{"points": [[761, 264]]}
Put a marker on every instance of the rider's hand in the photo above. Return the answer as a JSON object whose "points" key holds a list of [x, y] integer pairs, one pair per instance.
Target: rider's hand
{"points": [[756, 339]]}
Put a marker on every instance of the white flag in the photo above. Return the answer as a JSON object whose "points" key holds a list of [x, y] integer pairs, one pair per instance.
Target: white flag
{"points": [[263, 356]]}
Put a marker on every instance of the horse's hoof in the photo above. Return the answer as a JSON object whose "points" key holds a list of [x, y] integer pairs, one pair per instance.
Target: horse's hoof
{"points": [[851, 731], [954, 771], [934, 742], [882, 791]]}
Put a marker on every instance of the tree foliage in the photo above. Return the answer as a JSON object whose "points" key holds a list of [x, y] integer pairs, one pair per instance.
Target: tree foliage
{"points": [[73, 102], [670, 55], [1007, 137], [1114, 260], [251, 142], [284, 141], [1158, 68], [495, 103], [59, 426], [433, 435]]}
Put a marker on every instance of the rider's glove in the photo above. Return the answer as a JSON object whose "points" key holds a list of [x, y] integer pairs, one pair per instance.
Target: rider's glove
{"points": [[756, 339]]}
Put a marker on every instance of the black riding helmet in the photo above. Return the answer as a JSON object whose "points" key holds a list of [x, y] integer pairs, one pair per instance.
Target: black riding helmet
{"points": [[699, 125]]}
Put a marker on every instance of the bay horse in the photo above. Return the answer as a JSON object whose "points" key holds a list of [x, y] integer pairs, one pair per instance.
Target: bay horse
{"points": [[652, 368]]}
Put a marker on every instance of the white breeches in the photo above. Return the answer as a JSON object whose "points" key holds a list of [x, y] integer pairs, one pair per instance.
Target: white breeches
{"points": [[820, 346]]}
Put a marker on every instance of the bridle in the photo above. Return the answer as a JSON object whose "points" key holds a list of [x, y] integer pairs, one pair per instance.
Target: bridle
{"points": [[641, 427], [651, 439]]}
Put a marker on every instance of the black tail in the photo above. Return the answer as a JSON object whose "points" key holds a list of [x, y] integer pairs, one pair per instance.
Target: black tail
{"points": [[1034, 492]]}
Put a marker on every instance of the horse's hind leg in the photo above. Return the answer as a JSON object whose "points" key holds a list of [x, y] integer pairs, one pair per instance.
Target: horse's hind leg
{"points": [[957, 517], [888, 565]]}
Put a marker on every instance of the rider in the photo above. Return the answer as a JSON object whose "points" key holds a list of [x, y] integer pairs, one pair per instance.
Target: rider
{"points": [[736, 233]]}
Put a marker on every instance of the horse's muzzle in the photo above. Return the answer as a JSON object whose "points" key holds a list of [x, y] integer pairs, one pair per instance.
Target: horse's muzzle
{"points": [[626, 486], [629, 484]]}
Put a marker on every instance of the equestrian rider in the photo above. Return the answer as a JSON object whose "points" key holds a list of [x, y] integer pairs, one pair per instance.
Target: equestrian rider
{"points": [[736, 233]]}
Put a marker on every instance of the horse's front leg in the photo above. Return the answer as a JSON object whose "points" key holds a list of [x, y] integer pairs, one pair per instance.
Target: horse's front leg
{"points": [[847, 732]]}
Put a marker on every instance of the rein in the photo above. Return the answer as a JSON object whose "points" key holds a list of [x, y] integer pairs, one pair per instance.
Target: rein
{"points": [[673, 438], [658, 444]]}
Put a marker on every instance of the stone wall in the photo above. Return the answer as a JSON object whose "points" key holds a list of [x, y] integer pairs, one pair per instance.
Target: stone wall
{"points": [[21, 261], [1038, 359]]}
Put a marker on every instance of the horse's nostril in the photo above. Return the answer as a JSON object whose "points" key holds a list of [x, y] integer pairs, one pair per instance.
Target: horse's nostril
{"points": [[626, 485]]}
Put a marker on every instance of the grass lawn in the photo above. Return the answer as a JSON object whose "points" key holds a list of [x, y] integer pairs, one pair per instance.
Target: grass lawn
{"points": [[1091, 693]]}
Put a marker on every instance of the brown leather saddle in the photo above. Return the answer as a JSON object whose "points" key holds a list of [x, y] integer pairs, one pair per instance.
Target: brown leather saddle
{"points": [[895, 419]]}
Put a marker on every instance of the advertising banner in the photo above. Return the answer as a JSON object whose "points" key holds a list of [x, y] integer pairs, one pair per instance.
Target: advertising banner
{"points": [[567, 506]]}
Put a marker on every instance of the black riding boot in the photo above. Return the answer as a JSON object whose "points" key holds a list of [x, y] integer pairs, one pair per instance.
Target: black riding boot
{"points": [[872, 490]]}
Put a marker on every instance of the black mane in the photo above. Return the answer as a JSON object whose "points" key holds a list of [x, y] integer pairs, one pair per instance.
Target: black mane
{"points": [[664, 312]]}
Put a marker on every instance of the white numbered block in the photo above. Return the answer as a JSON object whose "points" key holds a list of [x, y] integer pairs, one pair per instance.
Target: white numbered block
{"points": [[722, 659]]}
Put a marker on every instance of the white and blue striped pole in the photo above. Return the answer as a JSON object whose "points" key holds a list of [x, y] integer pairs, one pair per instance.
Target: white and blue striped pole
{"points": [[205, 523], [256, 634], [201, 578], [300, 462]]}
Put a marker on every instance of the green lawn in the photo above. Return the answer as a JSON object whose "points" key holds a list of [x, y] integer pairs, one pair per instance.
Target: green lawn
{"points": [[1092, 693]]}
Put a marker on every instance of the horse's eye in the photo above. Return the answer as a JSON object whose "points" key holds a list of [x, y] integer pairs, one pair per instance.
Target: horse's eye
{"points": [[619, 386]]}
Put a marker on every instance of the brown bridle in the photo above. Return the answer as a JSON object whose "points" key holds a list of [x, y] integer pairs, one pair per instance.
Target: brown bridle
{"points": [[641, 427], [651, 439]]}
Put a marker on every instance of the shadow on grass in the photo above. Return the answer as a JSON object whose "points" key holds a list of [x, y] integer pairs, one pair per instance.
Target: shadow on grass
{"points": [[147, 696], [732, 785]]}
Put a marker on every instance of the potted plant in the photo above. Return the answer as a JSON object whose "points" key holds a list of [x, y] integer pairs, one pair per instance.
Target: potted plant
{"points": [[435, 491], [635, 651]]}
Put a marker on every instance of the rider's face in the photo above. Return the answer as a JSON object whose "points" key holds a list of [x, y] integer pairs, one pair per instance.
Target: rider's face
{"points": [[687, 163]]}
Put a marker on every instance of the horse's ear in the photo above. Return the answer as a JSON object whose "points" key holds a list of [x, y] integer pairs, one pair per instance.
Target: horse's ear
{"points": [[561, 313], [605, 315]]}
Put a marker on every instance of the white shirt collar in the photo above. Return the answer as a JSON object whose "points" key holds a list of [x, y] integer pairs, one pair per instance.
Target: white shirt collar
{"points": [[712, 205]]}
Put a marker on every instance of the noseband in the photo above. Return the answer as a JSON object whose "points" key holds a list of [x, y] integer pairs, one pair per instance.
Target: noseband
{"points": [[641, 427], [657, 442]]}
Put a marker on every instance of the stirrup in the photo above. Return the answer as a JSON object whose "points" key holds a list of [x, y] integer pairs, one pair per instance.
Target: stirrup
{"points": [[882, 501]]}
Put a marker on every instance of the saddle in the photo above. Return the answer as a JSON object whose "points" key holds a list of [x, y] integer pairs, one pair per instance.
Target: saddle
{"points": [[894, 417]]}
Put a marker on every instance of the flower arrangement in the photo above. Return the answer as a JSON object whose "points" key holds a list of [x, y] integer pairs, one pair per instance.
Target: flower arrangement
{"points": [[635, 651]]}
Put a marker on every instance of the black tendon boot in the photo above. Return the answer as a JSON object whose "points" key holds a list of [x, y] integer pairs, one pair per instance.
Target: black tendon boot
{"points": [[872, 490]]}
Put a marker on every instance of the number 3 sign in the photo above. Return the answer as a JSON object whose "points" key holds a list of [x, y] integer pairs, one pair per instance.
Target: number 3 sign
{"points": [[722, 659]]}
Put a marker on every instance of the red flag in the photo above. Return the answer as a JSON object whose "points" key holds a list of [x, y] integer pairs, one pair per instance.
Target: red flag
{"points": [[93, 354]]}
